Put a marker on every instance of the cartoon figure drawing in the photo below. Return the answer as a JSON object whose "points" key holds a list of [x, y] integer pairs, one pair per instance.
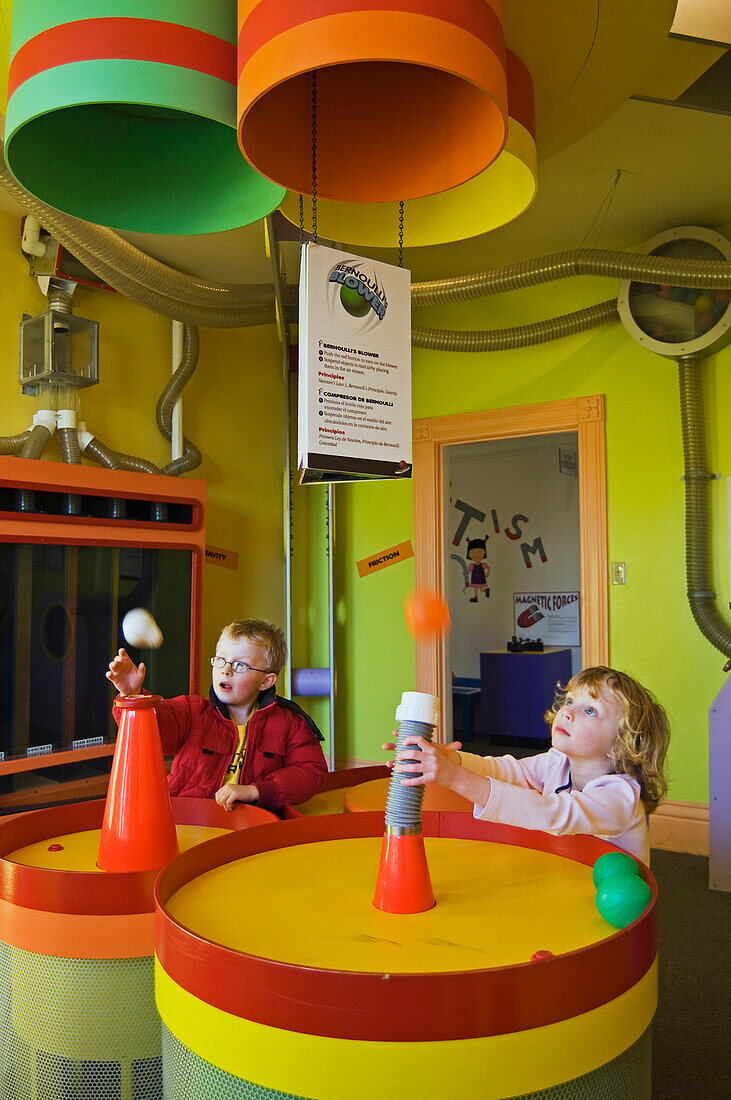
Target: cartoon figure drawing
{"points": [[477, 568]]}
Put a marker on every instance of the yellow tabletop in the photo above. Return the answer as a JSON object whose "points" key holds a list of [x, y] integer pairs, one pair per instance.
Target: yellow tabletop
{"points": [[326, 802], [78, 851], [311, 905]]}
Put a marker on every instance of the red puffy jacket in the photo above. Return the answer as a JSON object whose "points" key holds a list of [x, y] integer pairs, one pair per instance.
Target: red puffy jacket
{"points": [[283, 755]]}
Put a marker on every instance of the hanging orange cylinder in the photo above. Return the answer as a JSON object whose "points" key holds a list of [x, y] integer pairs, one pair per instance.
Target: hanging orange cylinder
{"points": [[410, 98]]}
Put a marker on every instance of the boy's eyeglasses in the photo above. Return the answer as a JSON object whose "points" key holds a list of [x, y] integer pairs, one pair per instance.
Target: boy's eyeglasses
{"points": [[237, 667]]}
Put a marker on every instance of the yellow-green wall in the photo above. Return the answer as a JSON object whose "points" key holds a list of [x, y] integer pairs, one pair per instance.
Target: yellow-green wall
{"points": [[233, 410], [652, 634]]}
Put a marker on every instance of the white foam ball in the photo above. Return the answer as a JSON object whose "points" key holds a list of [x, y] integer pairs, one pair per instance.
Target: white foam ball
{"points": [[141, 630]]}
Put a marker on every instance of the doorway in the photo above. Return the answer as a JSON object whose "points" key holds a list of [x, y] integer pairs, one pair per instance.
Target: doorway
{"points": [[432, 523]]}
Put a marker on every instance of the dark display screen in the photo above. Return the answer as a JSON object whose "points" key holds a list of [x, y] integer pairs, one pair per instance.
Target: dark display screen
{"points": [[61, 609]]}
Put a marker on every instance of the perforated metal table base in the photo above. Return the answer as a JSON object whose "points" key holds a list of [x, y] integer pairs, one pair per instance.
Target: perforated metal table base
{"points": [[188, 1077], [78, 1029]]}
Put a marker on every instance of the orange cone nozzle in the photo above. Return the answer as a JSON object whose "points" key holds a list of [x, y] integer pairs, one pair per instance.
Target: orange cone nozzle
{"points": [[138, 831], [403, 884]]}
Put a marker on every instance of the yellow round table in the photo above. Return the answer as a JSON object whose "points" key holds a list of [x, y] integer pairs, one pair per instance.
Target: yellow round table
{"points": [[277, 976]]}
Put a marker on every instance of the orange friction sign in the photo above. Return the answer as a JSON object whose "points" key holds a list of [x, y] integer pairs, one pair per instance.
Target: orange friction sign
{"points": [[383, 558]]}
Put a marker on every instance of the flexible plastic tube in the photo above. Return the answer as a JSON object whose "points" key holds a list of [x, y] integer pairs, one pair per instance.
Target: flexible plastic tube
{"points": [[403, 805], [416, 716], [68, 439], [520, 336], [154, 285], [579, 261], [44, 424], [191, 457], [13, 444], [38, 439], [697, 480], [116, 460]]}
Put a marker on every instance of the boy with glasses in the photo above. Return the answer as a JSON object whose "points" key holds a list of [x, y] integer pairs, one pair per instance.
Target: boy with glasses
{"points": [[244, 743]]}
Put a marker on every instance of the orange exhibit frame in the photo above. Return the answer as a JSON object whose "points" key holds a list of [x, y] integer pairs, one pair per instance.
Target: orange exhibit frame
{"points": [[183, 528]]}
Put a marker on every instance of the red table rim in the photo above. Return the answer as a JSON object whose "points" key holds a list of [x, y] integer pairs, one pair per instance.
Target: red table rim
{"points": [[90, 892], [371, 1006]]}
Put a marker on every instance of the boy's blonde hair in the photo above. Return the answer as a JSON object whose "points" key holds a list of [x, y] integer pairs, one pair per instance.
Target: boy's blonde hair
{"points": [[644, 730], [264, 634]]}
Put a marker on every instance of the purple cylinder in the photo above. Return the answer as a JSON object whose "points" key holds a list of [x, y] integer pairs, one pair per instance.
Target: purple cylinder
{"points": [[311, 681]]}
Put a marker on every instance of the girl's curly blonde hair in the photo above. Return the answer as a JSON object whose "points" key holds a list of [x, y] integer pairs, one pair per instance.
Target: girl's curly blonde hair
{"points": [[644, 730]]}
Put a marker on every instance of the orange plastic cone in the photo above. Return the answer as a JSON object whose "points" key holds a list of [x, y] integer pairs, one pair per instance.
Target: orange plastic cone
{"points": [[403, 884], [138, 832]]}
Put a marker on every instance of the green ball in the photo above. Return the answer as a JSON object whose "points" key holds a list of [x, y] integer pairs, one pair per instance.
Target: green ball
{"points": [[621, 898], [353, 302], [613, 863]]}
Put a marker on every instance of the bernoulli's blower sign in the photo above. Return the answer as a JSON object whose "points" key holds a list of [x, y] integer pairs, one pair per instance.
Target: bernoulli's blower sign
{"points": [[354, 403]]}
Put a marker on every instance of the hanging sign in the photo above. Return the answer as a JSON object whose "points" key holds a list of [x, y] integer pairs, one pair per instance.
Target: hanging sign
{"points": [[354, 403], [551, 616]]}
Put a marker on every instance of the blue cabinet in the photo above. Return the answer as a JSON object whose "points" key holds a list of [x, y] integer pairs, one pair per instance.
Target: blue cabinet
{"points": [[516, 691]]}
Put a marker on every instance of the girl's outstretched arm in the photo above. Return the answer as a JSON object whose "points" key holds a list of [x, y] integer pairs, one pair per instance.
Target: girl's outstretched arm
{"points": [[440, 764]]}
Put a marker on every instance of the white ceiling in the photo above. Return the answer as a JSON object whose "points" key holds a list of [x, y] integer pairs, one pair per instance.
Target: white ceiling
{"points": [[607, 79]]}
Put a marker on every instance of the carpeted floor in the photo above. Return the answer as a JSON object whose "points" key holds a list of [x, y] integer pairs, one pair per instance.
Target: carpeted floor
{"points": [[691, 1047]]}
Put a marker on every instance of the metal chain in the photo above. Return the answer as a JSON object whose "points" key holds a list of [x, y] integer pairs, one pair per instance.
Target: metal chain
{"points": [[302, 220], [401, 234], [314, 156]]}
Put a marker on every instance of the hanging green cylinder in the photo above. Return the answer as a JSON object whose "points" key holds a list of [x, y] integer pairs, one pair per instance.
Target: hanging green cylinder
{"points": [[123, 112]]}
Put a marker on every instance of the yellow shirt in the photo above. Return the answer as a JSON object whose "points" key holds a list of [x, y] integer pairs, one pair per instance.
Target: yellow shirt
{"points": [[233, 771]]}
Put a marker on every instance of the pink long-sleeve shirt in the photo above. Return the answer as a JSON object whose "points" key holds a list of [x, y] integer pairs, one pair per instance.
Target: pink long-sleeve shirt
{"points": [[536, 793]]}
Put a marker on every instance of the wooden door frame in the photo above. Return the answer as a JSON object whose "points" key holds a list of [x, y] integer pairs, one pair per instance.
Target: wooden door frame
{"points": [[585, 416]]}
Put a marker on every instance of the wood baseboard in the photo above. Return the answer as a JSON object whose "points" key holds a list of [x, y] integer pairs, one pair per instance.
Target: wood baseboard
{"points": [[680, 827]]}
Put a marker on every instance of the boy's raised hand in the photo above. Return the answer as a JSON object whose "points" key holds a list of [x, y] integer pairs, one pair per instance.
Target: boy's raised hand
{"points": [[126, 676]]}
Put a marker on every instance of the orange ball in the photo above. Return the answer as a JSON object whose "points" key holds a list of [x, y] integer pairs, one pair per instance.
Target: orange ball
{"points": [[427, 614]]}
